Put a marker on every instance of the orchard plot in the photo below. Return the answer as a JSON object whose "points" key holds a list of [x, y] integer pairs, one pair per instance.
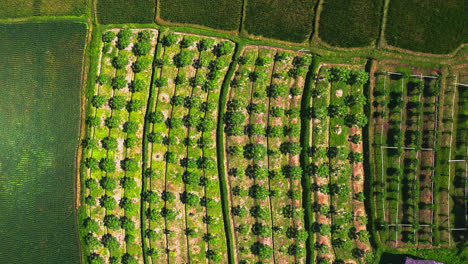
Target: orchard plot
{"points": [[112, 149], [262, 129]]}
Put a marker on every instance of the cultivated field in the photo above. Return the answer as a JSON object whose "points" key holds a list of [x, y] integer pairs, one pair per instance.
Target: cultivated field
{"points": [[40, 109], [262, 129], [285, 20], [336, 168], [24, 8], [124, 11], [346, 23], [427, 26], [183, 202], [218, 14], [112, 150], [419, 157]]}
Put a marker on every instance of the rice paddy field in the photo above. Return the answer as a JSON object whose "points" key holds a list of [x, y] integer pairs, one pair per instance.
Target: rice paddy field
{"points": [[284, 20], [217, 14], [40, 109], [26, 8], [427, 26], [124, 11], [339, 24]]}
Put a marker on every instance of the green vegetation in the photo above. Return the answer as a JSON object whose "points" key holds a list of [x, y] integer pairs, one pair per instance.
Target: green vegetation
{"points": [[427, 26], [218, 14], [350, 23], [28, 8], [123, 11], [285, 20], [40, 118]]}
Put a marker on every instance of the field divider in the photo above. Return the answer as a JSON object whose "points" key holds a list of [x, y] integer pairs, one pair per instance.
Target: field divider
{"points": [[147, 127], [220, 149], [268, 158]]}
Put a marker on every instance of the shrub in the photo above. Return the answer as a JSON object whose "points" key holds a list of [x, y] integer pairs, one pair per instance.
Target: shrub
{"points": [[108, 183], [255, 151], [168, 196], [108, 202], [141, 65], [110, 242], [168, 214], [98, 101], [130, 127], [92, 241], [277, 90], [91, 225], [184, 58], [112, 222], [261, 230], [169, 40], [127, 182], [156, 117], [259, 192], [109, 36], [294, 148], [127, 224], [113, 122], [93, 121], [107, 165], [135, 105], [121, 61], [109, 143], [117, 102], [127, 204], [240, 211], [142, 48], [224, 48], [261, 250], [360, 120], [190, 199], [205, 44], [258, 212]]}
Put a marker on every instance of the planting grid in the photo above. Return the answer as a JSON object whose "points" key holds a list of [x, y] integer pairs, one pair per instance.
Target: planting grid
{"points": [[412, 147], [421, 221], [456, 165]]}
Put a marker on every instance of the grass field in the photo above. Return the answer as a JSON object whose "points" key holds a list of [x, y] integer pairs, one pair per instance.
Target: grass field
{"points": [[437, 26], [25, 8], [218, 14], [280, 19], [40, 109], [346, 23], [124, 11]]}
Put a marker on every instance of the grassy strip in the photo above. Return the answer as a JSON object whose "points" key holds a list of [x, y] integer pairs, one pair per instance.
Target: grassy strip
{"points": [[144, 166], [220, 152], [92, 51], [305, 160], [367, 135]]}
